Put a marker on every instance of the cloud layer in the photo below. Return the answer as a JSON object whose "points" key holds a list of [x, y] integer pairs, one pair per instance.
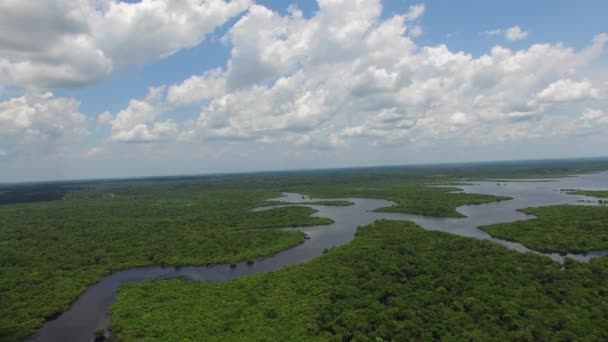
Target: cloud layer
{"points": [[346, 73], [62, 43], [512, 34], [344, 76], [50, 44], [37, 122]]}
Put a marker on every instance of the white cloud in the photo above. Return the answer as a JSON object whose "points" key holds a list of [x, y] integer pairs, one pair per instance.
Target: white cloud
{"points": [[60, 43], [512, 34], [416, 31], [158, 131], [595, 115], [495, 32], [389, 126], [138, 32], [346, 75], [336, 87], [266, 45], [415, 12], [459, 118], [40, 116], [591, 120], [197, 88], [137, 123], [39, 121], [515, 33], [105, 118], [567, 90]]}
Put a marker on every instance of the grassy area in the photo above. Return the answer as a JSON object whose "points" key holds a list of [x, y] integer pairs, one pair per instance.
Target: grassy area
{"points": [[591, 193], [522, 180], [561, 228], [51, 252], [395, 281]]}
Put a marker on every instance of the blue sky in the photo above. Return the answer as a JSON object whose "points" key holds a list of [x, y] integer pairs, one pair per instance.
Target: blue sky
{"points": [[516, 79]]}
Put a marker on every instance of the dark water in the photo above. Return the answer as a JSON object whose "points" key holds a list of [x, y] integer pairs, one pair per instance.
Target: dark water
{"points": [[89, 311]]}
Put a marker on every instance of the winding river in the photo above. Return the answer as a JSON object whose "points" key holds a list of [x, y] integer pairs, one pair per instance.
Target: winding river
{"points": [[89, 312]]}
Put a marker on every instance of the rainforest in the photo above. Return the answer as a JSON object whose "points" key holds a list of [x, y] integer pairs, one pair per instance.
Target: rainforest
{"points": [[345, 254]]}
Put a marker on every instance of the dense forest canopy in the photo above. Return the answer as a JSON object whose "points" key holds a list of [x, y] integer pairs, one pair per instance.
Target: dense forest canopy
{"points": [[394, 282], [58, 238], [560, 228]]}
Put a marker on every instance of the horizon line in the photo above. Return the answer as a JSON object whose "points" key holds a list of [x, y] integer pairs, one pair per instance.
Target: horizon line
{"points": [[266, 171]]}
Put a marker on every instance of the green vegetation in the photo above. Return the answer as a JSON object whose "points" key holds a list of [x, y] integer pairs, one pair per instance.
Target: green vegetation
{"points": [[560, 228], [411, 197], [440, 202], [395, 281], [591, 193], [521, 180], [58, 238], [51, 252]]}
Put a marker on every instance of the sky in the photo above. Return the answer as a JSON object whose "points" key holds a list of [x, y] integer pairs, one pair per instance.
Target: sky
{"points": [[106, 88]]}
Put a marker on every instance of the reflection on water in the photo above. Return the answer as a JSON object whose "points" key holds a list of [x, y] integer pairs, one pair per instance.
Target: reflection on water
{"points": [[89, 311]]}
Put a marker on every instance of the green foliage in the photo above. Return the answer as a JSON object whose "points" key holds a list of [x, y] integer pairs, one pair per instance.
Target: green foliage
{"points": [[560, 228], [591, 193], [51, 252], [394, 282], [410, 196]]}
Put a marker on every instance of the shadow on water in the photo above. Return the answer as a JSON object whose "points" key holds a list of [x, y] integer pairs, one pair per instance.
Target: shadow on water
{"points": [[89, 312]]}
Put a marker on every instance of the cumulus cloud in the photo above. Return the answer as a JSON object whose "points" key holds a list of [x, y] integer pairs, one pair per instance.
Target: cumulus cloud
{"points": [[567, 91], [39, 120], [459, 118], [588, 123], [515, 33], [43, 116], [105, 118], [595, 115], [512, 34], [347, 74], [415, 12], [591, 119], [145, 133], [137, 123], [76, 42], [197, 88]]}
